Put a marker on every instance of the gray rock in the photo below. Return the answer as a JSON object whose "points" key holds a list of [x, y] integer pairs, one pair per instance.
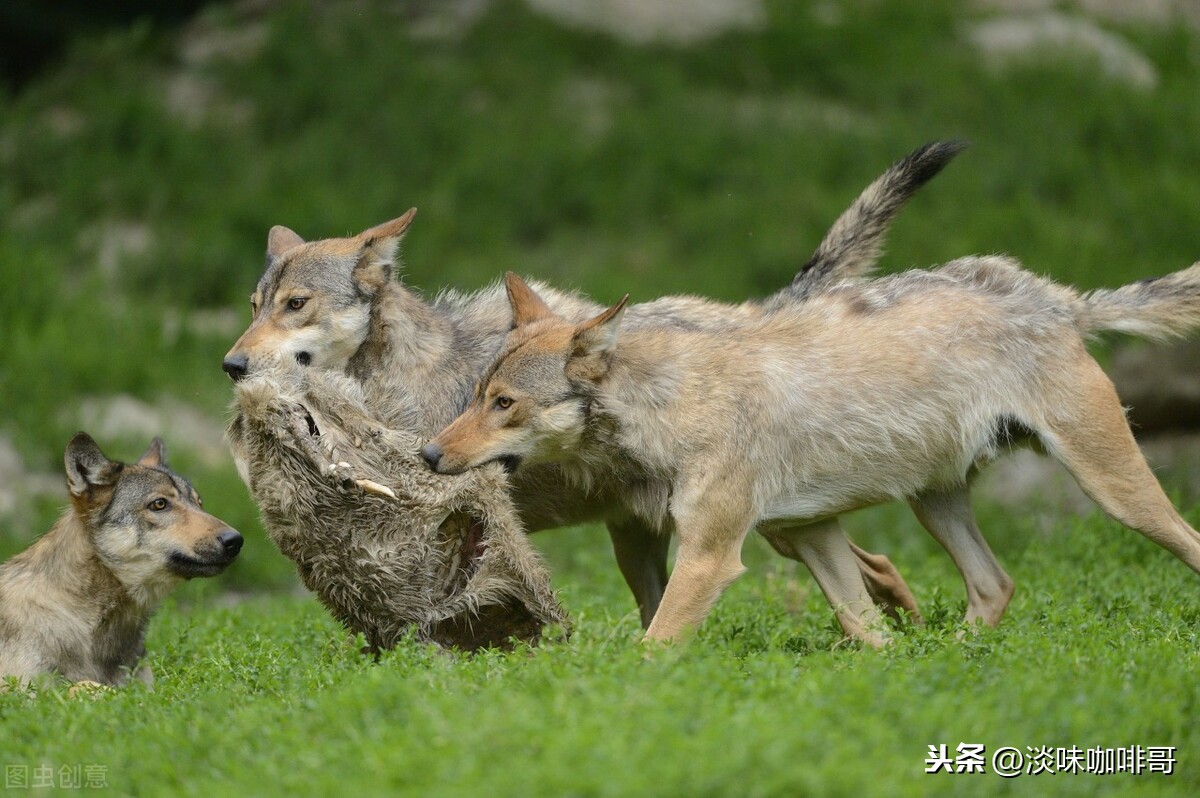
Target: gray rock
{"points": [[1160, 384]]}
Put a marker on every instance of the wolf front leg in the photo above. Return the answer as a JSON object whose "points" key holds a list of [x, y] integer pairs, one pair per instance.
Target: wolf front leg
{"points": [[711, 532], [641, 555], [947, 516]]}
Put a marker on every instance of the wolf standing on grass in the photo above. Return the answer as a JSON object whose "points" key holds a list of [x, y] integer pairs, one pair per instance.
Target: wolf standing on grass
{"points": [[77, 602], [335, 305], [897, 388]]}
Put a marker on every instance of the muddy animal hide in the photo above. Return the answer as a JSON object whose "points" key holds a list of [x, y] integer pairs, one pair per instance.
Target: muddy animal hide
{"points": [[387, 545]]}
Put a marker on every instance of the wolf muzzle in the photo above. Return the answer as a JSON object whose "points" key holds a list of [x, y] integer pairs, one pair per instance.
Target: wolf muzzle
{"points": [[431, 453], [236, 366], [229, 543]]}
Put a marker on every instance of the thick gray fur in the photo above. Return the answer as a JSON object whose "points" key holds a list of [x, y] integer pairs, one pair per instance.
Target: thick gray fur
{"points": [[384, 567]]}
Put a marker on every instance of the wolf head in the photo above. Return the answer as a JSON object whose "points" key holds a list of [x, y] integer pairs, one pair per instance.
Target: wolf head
{"points": [[532, 403], [313, 301], [144, 520]]}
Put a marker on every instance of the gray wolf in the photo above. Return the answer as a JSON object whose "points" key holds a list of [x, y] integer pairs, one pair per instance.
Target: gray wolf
{"points": [[77, 602], [334, 305], [443, 559], [898, 388]]}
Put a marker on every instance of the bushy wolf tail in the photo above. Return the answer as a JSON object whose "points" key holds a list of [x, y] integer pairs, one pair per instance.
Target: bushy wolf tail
{"points": [[853, 244], [1161, 307]]}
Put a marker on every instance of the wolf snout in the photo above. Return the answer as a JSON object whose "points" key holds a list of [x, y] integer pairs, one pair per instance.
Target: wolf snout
{"points": [[231, 542], [236, 366], [205, 559], [431, 453]]}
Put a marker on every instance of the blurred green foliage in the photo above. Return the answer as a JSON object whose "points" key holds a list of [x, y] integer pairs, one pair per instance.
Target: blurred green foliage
{"points": [[269, 697], [138, 179]]}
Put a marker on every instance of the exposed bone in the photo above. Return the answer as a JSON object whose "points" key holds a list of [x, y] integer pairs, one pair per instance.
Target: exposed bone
{"points": [[371, 486], [453, 572]]}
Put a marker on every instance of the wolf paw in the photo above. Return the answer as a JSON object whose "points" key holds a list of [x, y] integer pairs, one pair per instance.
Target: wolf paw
{"points": [[87, 689]]}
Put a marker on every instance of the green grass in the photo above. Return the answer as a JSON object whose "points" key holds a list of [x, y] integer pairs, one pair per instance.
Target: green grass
{"points": [[652, 169], [269, 696]]}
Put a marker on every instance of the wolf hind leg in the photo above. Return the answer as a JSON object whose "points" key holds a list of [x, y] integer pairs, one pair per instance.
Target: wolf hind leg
{"points": [[641, 554], [887, 587], [947, 516], [825, 550], [1094, 442]]}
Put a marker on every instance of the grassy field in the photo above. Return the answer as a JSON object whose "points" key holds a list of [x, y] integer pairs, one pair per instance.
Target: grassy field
{"points": [[268, 697], [138, 179]]}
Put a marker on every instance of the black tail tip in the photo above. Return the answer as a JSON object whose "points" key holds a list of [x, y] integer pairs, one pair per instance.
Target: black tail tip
{"points": [[923, 163], [941, 149]]}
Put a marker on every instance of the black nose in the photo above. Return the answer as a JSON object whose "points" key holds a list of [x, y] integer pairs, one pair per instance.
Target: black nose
{"points": [[231, 541], [432, 454], [236, 366]]}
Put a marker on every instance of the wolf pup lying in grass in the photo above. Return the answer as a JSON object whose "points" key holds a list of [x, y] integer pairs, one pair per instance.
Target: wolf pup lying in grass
{"points": [[78, 600], [334, 305], [896, 388]]}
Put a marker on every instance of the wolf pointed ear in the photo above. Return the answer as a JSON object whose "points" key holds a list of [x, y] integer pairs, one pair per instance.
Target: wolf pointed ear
{"points": [[379, 244], [155, 456], [87, 467], [527, 306], [280, 240], [593, 344]]}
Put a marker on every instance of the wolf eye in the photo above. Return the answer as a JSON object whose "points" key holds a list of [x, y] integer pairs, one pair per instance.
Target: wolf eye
{"points": [[158, 505], [504, 402], [297, 302]]}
